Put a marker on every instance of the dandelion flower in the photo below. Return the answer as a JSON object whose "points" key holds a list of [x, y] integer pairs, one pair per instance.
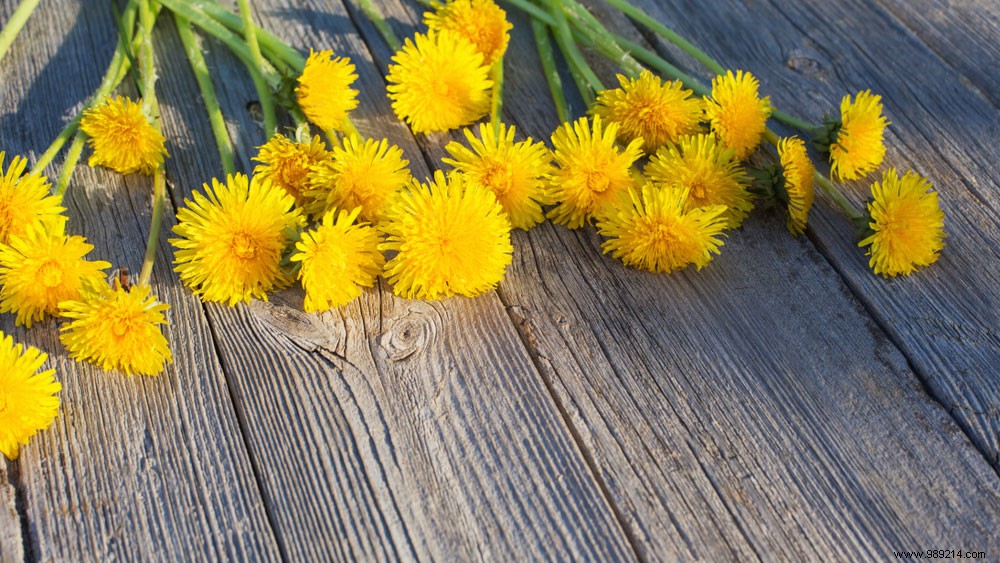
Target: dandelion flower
{"points": [[451, 239], [516, 173], [337, 259], [231, 240], [43, 267], [287, 164], [28, 400], [646, 107], [122, 137], [591, 171], [24, 199], [324, 91], [364, 174], [859, 147], [907, 224], [708, 171], [737, 113], [117, 329], [654, 230], [482, 22], [797, 170], [439, 82]]}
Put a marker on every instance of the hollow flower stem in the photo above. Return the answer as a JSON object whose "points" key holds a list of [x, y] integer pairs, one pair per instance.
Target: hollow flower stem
{"points": [[15, 23]]}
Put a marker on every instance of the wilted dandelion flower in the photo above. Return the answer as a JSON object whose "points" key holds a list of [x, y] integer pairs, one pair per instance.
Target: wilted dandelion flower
{"points": [[482, 22], [324, 91], [122, 137], [646, 107], [24, 199], [364, 174], [737, 113], [708, 171], [516, 173], [28, 400], [232, 238], [117, 329], [449, 238], [439, 82], [859, 147], [287, 164], [337, 259], [797, 171], [655, 230], [907, 224], [591, 172], [43, 267]]}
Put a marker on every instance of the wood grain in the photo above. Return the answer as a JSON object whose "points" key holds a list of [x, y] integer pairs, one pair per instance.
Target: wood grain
{"points": [[11, 540]]}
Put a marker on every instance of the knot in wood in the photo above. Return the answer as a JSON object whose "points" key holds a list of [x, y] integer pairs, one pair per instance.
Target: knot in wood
{"points": [[415, 331], [807, 62]]}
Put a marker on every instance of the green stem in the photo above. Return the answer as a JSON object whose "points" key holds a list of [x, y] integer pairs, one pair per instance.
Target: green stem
{"points": [[263, 91], [548, 59], [658, 63], [601, 38], [283, 54], [668, 34], [586, 81], [147, 72], [69, 165], [155, 224], [791, 121], [15, 23], [378, 20], [496, 104], [201, 74]]}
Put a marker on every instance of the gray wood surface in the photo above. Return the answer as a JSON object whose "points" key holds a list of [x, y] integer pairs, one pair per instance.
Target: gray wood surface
{"points": [[782, 404]]}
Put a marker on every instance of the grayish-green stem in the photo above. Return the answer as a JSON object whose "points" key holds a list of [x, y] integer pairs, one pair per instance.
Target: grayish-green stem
{"points": [[586, 80], [378, 20], [548, 59], [283, 54], [15, 23], [263, 90], [147, 73], [496, 104]]}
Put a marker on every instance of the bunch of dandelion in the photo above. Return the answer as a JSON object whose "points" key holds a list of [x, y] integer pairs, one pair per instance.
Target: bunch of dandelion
{"points": [[287, 164], [28, 400], [736, 113], [324, 90], [856, 140], [481, 22], [650, 109], [365, 174], [122, 137], [24, 199], [798, 175], [449, 238]]}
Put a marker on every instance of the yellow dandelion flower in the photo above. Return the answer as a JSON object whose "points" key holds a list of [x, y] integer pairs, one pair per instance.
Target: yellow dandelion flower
{"points": [[654, 230], [907, 224], [122, 137], [337, 259], [797, 170], [24, 199], [859, 147], [28, 400], [737, 113], [43, 267], [364, 174], [231, 240], [450, 238], [708, 171], [287, 164], [117, 329], [324, 91], [439, 82], [646, 107], [516, 173], [482, 22], [591, 172]]}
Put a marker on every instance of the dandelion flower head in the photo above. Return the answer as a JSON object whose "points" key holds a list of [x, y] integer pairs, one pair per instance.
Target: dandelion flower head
{"points": [[28, 400], [798, 172], [516, 173], [231, 239], [117, 329], [287, 164], [24, 199], [450, 239], [708, 171], [591, 171], [737, 113], [654, 230], [482, 22], [439, 82], [324, 91], [907, 224], [122, 137], [337, 259], [362, 173], [43, 267], [859, 147], [646, 107]]}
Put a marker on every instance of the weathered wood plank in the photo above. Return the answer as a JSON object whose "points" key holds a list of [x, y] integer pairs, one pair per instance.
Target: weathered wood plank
{"points": [[133, 468], [11, 540], [407, 430]]}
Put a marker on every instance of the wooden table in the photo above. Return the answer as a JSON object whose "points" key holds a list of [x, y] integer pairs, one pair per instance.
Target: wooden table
{"points": [[782, 404]]}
